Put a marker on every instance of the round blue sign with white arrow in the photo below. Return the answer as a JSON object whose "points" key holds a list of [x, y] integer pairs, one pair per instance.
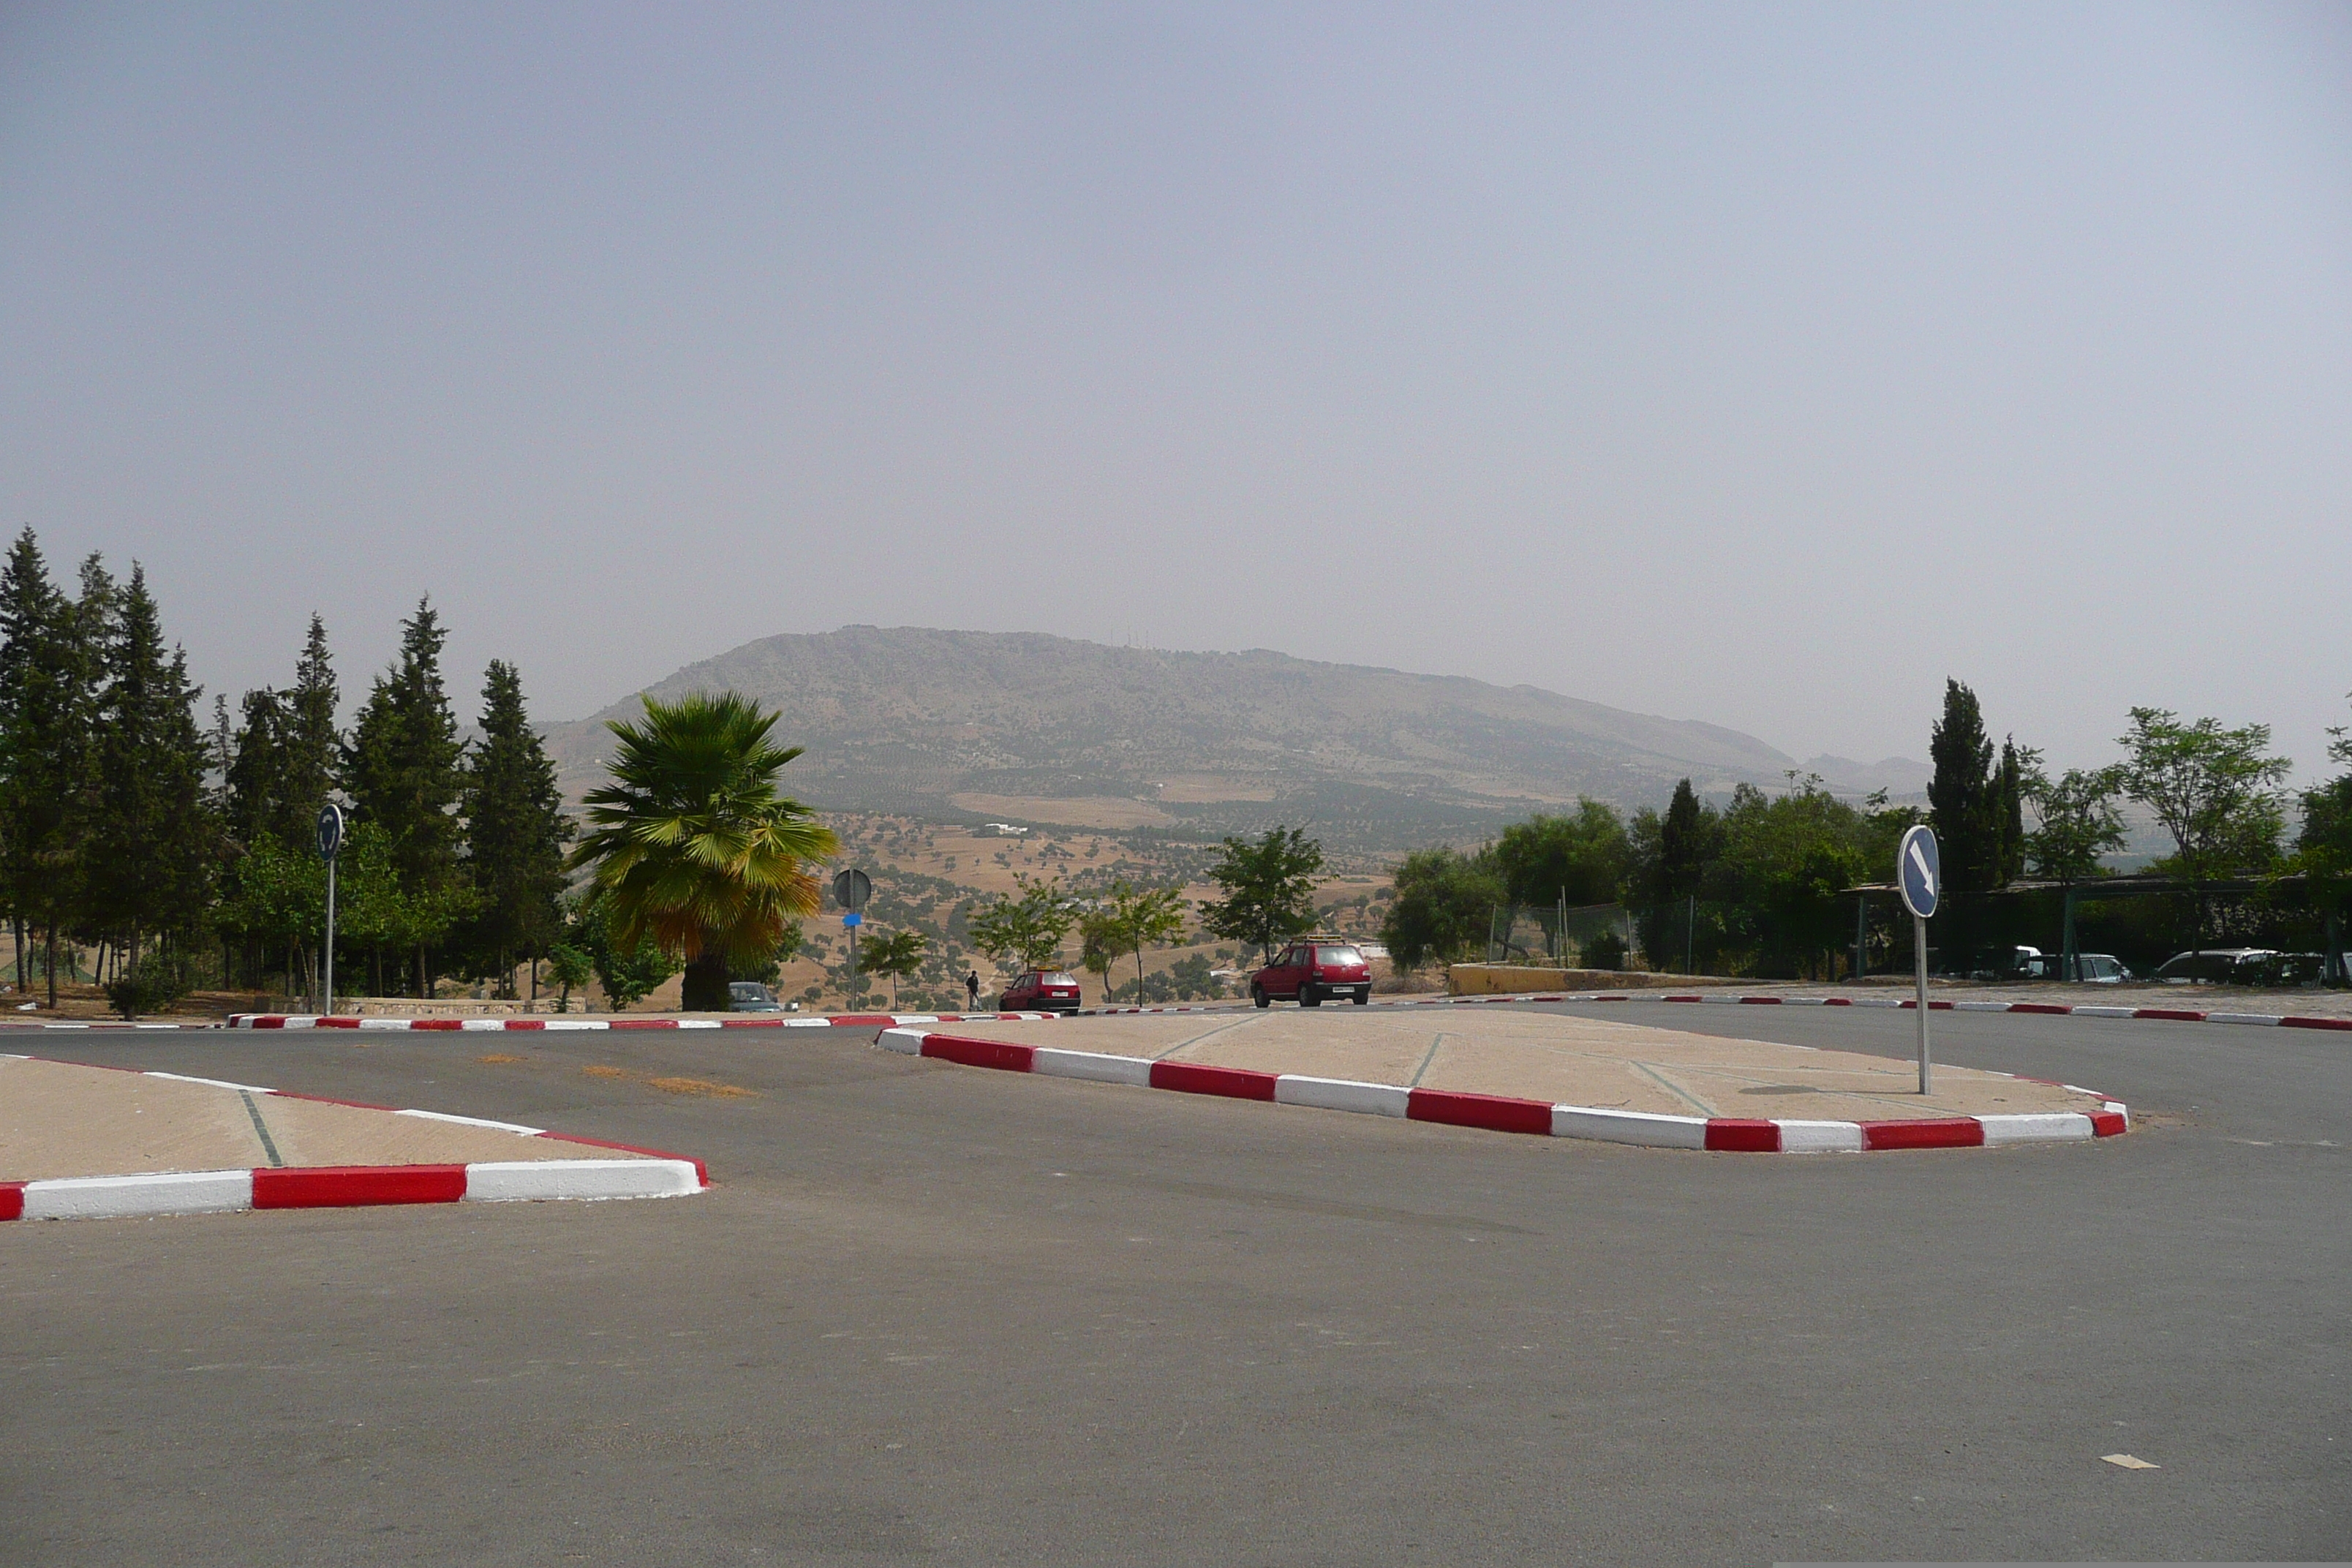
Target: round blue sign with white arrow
{"points": [[1919, 871]]}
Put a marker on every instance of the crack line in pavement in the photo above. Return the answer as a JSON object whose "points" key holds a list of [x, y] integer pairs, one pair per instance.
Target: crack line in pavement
{"points": [[1671, 1086], [1196, 1040], [1414, 1082], [260, 1131]]}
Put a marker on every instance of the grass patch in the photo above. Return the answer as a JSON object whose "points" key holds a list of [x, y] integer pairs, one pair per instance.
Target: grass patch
{"points": [[497, 1058], [608, 1072]]}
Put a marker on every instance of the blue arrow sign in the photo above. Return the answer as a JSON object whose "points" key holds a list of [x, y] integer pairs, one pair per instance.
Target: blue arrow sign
{"points": [[1919, 871]]}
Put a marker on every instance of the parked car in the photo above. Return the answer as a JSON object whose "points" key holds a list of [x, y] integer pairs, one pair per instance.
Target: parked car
{"points": [[2220, 966], [2098, 969], [1312, 971], [750, 997], [1040, 991]]}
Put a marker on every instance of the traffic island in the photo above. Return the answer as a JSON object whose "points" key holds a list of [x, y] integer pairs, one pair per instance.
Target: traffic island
{"points": [[1545, 1074], [81, 1142]]}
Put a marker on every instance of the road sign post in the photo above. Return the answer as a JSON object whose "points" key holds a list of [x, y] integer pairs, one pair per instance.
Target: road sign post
{"points": [[1918, 872], [330, 841], [851, 889]]}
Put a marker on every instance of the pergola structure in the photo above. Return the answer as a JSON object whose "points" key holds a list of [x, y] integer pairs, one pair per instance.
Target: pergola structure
{"points": [[2096, 890]]}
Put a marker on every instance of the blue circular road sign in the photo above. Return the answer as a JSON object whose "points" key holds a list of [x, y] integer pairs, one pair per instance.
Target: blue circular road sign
{"points": [[1919, 871], [330, 830]]}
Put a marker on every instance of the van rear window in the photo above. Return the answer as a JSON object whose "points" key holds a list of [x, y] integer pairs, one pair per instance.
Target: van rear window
{"points": [[1337, 955]]}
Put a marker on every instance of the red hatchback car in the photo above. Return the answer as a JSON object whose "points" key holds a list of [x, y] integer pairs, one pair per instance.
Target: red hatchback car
{"points": [[1312, 971], [1040, 991]]}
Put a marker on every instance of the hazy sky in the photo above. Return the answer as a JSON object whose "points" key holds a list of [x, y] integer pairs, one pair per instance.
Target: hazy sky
{"points": [[1760, 366]]}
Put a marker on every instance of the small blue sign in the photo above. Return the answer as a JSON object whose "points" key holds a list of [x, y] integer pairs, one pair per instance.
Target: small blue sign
{"points": [[853, 919], [1919, 871]]}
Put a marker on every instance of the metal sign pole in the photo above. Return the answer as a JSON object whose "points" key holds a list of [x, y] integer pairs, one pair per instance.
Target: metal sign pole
{"points": [[329, 961], [1919, 949]]}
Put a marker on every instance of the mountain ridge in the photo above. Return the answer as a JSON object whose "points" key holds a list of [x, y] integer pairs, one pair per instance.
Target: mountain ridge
{"points": [[1027, 726]]}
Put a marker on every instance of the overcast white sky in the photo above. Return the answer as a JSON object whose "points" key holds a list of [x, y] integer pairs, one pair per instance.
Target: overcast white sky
{"points": [[1761, 365]]}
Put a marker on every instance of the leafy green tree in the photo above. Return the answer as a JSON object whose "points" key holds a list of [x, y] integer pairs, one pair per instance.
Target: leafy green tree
{"points": [[1964, 798], [2323, 846], [568, 969], [1786, 860], [628, 967], [515, 830], [2215, 791], [897, 955], [1582, 858], [1133, 919], [1269, 888], [402, 769], [2079, 822], [1102, 942], [1028, 929], [692, 846], [1443, 908]]}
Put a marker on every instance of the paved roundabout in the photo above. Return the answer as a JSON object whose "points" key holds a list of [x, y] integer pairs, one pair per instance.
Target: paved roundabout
{"points": [[931, 1313]]}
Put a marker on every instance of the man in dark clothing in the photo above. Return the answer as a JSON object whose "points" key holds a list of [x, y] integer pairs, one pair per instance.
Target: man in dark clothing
{"points": [[971, 989]]}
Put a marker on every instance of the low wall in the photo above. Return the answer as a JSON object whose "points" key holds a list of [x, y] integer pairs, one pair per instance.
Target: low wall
{"points": [[1500, 979]]}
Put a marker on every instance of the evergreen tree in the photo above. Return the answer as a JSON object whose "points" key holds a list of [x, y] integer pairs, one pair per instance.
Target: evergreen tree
{"points": [[254, 781], [2017, 764], [150, 848], [310, 740], [1685, 842], [46, 761], [403, 771], [1963, 799], [515, 830]]}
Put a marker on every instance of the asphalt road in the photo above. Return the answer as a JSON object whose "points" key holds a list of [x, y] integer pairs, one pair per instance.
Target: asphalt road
{"points": [[971, 1317]]}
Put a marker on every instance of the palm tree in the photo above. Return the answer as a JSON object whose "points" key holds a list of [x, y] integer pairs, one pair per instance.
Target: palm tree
{"points": [[693, 847]]}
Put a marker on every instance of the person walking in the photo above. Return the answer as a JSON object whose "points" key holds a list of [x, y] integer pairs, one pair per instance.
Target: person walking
{"points": [[972, 990]]}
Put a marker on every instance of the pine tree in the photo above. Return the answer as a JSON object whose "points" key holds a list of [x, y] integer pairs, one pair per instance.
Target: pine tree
{"points": [[1963, 799], [49, 648], [254, 778], [515, 830], [402, 769], [2008, 808], [150, 849], [310, 740]]}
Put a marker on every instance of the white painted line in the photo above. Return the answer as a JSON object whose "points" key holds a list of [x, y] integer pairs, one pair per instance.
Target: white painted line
{"points": [[473, 1122], [2269, 1018], [1092, 1066], [907, 1041], [2102, 1012], [1819, 1136], [2048, 1127], [1642, 1127], [1342, 1094], [212, 1082], [123, 1197], [1979, 1006], [571, 1024], [516, 1181]]}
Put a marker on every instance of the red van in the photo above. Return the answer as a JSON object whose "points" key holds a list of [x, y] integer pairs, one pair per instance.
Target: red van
{"points": [[1312, 971]]}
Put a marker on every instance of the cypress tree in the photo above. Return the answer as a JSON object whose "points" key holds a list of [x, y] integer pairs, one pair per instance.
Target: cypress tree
{"points": [[515, 829], [149, 845], [310, 740], [49, 648], [254, 778], [1963, 800], [402, 769]]}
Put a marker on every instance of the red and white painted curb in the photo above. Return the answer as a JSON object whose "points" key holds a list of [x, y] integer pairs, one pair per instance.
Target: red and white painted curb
{"points": [[663, 1176], [1502, 1113], [561, 1022], [2168, 1015]]}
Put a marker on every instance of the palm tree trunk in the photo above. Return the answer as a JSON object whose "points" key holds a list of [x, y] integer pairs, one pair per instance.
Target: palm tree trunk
{"points": [[705, 989]]}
